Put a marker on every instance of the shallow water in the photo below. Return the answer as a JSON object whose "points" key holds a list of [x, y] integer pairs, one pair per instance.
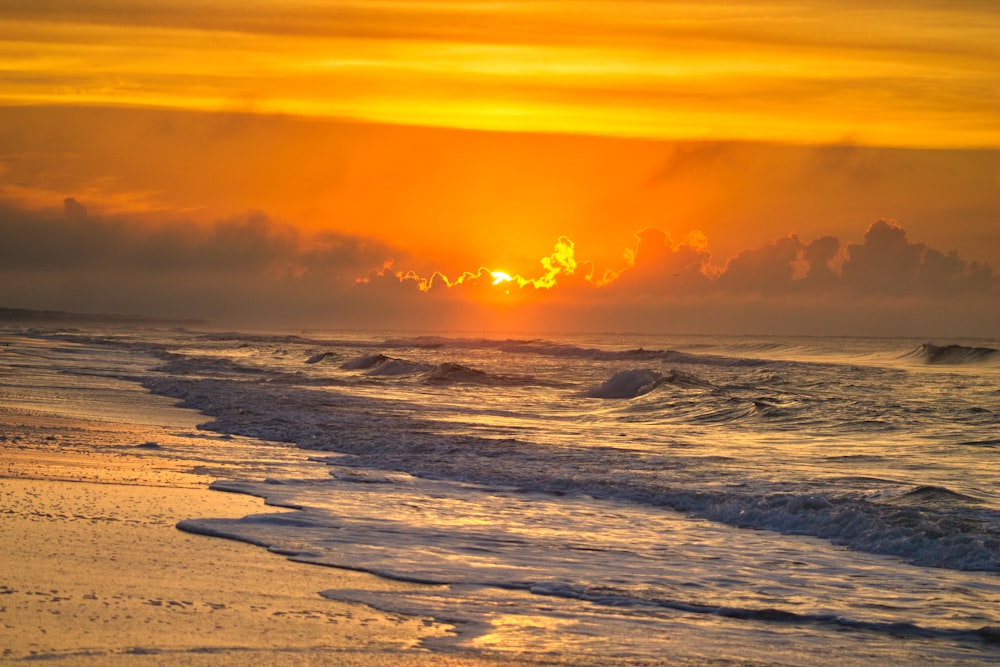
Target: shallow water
{"points": [[800, 501]]}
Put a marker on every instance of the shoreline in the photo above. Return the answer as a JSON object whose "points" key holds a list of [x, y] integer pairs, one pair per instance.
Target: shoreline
{"points": [[95, 474], [96, 572]]}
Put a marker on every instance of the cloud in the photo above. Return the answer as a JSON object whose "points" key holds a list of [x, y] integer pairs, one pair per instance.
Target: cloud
{"points": [[658, 69], [660, 265], [244, 268], [74, 211], [887, 262], [251, 244], [253, 268], [784, 265], [560, 269]]}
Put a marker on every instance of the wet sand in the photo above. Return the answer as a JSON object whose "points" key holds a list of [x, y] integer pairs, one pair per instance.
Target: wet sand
{"points": [[95, 572], [94, 476]]}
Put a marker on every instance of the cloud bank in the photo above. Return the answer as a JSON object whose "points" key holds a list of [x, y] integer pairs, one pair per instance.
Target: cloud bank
{"points": [[251, 244], [885, 264], [248, 267], [255, 269]]}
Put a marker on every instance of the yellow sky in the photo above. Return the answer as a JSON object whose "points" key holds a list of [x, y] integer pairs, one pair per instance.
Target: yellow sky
{"points": [[891, 74]]}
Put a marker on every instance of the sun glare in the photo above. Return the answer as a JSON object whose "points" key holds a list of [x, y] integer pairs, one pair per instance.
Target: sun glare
{"points": [[500, 277]]}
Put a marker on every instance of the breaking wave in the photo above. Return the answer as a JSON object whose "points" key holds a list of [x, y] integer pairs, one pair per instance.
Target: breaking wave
{"points": [[364, 362], [271, 530], [966, 538], [182, 364], [446, 373], [928, 524], [638, 382], [566, 351], [955, 354], [452, 373]]}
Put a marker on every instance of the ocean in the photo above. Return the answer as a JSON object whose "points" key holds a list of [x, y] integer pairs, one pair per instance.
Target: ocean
{"points": [[615, 497]]}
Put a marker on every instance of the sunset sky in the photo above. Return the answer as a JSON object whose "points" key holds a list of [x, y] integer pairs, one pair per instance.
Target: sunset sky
{"points": [[777, 167]]}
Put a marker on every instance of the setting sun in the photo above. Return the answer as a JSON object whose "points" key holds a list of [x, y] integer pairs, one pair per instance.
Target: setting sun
{"points": [[500, 277]]}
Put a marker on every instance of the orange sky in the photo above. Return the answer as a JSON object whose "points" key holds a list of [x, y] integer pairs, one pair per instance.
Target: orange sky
{"points": [[333, 139], [891, 73]]}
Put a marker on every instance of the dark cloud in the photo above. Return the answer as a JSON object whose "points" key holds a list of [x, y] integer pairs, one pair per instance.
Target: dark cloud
{"points": [[784, 265], [247, 268], [887, 262], [251, 244], [252, 268], [74, 211], [765, 270], [819, 257]]}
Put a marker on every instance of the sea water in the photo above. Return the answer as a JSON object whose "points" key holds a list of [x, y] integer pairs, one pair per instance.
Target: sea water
{"points": [[620, 497]]}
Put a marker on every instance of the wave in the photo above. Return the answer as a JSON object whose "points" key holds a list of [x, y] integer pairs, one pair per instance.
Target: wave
{"points": [[754, 347], [563, 350], [364, 362], [954, 354], [638, 382], [281, 339], [449, 373], [184, 365], [437, 374], [986, 442], [316, 358], [453, 373], [392, 366], [627, 384], [766, 614], [955, 534], [271, 531], [928, 495], [571, 562], [927, 534], [928, 526], [375, 365]]}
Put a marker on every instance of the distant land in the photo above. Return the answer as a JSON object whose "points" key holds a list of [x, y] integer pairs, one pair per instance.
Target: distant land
{"points": [[28, 315]]}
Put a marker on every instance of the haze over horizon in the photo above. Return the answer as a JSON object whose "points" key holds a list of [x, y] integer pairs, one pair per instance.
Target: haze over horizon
{"points": [[831, 168]]}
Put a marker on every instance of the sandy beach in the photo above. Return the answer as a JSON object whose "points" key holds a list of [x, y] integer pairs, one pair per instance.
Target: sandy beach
{"points": [[131, 528], [93, 571]]}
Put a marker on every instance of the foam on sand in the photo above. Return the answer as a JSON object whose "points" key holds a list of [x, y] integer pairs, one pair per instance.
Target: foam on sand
{"points": [[94, 571]]}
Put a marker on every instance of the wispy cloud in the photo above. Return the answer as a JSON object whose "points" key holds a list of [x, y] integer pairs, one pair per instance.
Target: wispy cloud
{"points": [[889, 74]]}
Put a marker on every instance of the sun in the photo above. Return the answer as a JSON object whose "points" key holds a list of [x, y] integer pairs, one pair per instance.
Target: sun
{"points": [[500, 277]]}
